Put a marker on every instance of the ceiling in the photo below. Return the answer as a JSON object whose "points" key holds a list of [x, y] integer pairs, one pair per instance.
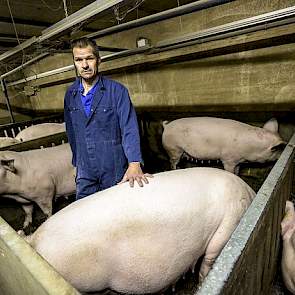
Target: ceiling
{"points": [[22, 19]]}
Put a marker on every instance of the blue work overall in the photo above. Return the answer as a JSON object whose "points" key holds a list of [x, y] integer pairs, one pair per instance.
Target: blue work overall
{"points": [[104, 142]]}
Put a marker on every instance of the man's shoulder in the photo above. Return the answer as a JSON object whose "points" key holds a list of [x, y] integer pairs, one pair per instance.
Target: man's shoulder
{"points": [[74, 86]]}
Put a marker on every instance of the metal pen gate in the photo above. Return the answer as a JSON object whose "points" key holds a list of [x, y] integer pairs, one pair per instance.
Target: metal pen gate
{"points": [[248, 262]]}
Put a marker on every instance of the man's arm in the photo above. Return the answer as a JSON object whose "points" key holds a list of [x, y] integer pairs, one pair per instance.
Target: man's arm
{"points": [[69, 128], [130, 140]]}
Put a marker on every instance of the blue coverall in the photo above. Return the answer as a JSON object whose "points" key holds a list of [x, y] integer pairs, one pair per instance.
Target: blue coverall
{"points": [[104, 142]]}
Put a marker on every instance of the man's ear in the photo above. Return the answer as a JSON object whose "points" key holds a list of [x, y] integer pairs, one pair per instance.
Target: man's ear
{"points": [[8, 165]]}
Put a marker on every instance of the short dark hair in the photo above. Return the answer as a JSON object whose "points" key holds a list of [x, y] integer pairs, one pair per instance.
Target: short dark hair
{"points": [[84, 42]]}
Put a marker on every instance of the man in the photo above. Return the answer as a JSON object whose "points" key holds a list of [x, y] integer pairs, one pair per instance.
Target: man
{"points": [[101, 126]]}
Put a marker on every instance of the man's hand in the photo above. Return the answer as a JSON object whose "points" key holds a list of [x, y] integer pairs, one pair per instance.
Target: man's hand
{"points": [[134, 172]]}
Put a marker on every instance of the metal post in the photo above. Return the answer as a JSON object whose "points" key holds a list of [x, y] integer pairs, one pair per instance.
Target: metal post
{"points": [[4, 89]]}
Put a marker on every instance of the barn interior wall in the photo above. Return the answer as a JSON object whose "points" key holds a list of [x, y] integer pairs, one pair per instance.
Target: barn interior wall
{"points": [[252, 80]]}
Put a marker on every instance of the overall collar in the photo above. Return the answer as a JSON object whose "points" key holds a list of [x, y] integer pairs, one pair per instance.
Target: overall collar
{"points": [[92, 89]]}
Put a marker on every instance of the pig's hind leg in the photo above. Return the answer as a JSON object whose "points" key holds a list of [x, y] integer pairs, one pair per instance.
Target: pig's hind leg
{"points": [[230, 166], [28, 208], [46, 206], [215, 245], [175, 155]]}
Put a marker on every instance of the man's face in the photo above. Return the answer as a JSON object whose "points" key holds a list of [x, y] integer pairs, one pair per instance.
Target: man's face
{"points": [[85, 62]]}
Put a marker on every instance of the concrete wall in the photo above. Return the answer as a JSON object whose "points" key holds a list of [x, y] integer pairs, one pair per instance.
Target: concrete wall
{"points": [[206, 75]]}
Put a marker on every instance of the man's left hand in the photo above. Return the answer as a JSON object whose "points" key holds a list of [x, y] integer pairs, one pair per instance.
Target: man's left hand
{"points": [[134, 173]]}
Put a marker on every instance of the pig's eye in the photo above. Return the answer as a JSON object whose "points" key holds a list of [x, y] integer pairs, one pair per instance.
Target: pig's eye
{"points": [[278, 147]]}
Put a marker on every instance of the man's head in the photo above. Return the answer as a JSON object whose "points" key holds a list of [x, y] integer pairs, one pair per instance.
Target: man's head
{"points": [[86, 58]]}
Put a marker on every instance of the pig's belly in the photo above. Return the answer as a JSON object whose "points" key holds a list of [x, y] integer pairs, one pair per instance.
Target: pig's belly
{"points": [[144, 259], [150, 265]]}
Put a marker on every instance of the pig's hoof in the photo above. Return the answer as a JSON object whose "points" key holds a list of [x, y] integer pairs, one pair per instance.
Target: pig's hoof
{"points": [[21, 233]]}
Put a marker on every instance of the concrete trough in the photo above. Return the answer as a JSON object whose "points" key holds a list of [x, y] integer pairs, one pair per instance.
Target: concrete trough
{"points": [[23, 271]]}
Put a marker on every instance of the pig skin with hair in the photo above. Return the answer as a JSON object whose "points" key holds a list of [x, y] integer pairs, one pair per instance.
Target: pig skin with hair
{"points": [[7, 141], [288, 254], [141, 240], [232, 142], [37, 176], [40, 130]]}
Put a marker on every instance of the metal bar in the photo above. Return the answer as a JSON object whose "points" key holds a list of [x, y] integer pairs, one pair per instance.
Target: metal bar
{"points": [[78, 17], [4, 89], [18, 48], [72, 67], [245, 238], [272, 19], [287, 14], [183, 9], [224, 35], [24, 65], [42, 75]]}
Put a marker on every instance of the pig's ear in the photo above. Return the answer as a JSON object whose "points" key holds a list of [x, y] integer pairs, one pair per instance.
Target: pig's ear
{"points": [[272, 125], [8, 165], [279, 147]]}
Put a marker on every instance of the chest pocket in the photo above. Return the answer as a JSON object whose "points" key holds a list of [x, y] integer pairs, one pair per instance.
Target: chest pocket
{"points": [[105, 117], [73, 109], [75, 114], [77, 117]]}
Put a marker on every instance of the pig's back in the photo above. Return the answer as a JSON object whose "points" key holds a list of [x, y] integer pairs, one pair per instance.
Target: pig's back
{"points": [[142, 228], [40, 130], [206, 137], [206, 127], [181, 189]]}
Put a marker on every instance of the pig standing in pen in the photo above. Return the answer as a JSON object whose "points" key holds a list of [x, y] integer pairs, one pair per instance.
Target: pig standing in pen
{"points": [[37, 176], [230, 141], [288, 255], [136, 240]]}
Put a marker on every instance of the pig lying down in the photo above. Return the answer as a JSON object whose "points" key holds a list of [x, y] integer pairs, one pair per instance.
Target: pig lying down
{"points": [[7, 141], [230, 141], [33, 132], [40, 130], [141, 240], [288, 255], [37, 176]]}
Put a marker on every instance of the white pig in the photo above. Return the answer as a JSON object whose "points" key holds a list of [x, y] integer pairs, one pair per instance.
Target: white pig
{"points": [[6, 141], [37, 176], [288, 254], [230, 141], [141, 240], [40, 130]]}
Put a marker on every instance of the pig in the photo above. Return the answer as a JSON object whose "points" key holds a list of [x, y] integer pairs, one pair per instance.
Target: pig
{"points": [[288, 253], [230, 141], [37, 176], [6, 141], [141, 240], [40, 130]]}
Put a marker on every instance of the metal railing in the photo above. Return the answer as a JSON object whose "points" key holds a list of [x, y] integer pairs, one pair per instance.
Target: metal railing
{"points": [[248, 262]]}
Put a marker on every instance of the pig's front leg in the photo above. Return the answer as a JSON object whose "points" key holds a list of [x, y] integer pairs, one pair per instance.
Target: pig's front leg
{"points": [[230, 166], [28, 208]]}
